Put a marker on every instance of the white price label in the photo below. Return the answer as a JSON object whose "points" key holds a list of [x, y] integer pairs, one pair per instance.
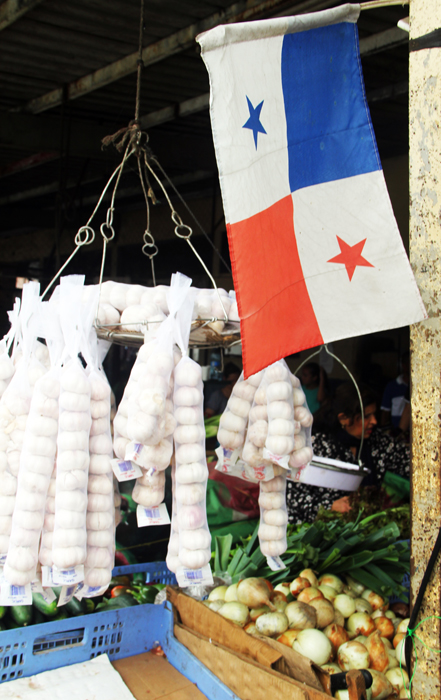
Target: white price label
{"points": [[125, 470], [133, 451], [47, 577], [194, 577], [152, 516], [93, 591], [79, 593], [67, 577], [281, 460], [15, 595], [66, 594], [275, 563], [3, 559]]}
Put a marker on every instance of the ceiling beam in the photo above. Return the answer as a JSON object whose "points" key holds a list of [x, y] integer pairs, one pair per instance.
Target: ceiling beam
{"points": [[170, 45], [11, 10]]}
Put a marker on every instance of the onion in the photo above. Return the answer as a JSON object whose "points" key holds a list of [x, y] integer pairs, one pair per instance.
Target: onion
{"points": [[254, 592], [314, 645], [288, 637], [218, 593], [309, 594], [283, 588], [272, 624], [214, 605], [393, 663], [338, 618], [397, 639], [402, 627], [374, 599], [399, 652], [387, 643], [279, 604], [385, 627], [231, 593], [357, 587], [324, 610], [360, 623], [310, 575], [257, 612], [250, 628], [362, 605], [300, 615], [278, 597], [352, 655], [331, 668], [337, 635], [348, 591], [390, 615], [345, 604], [331, 580], [400, 609], [381, 686], [328, 592], [298, 585], [398, 678], [236, 612], [379, 659]]}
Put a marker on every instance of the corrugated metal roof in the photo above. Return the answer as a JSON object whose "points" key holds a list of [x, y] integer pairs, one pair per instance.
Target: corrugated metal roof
{"points": [[56, 43]]}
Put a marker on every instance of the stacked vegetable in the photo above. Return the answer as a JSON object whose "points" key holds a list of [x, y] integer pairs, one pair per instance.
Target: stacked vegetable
{"points": [[138, 308], [339, 625], [265, 437]]}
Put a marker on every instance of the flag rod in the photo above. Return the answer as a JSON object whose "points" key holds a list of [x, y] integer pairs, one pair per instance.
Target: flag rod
{"points": [[372, 4]]}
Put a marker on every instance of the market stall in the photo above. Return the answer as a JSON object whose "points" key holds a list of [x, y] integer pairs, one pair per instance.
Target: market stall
{"points": [[300, 609]]}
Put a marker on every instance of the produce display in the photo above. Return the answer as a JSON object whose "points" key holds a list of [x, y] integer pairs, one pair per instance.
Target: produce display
{"points": [[135, 308], [123, 591], [60, 503], [338, 624]]}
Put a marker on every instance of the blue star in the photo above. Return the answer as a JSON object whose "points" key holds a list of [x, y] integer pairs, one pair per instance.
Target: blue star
{"points": [[254, 122]]}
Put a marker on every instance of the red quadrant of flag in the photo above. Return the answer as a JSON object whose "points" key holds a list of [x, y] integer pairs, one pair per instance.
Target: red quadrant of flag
{"points": [[272, 296]]}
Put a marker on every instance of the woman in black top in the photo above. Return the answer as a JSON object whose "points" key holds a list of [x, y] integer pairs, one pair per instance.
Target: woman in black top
{"points": [[380, 453]]}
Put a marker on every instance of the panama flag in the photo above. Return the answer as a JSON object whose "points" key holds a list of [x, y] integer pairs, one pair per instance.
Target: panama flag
{"points": [[315, 249]]}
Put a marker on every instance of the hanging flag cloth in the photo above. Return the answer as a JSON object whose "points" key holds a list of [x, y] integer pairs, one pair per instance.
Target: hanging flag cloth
{"points": [[315, 249]]}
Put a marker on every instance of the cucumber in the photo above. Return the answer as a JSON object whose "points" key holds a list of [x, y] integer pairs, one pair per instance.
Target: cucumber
{"points": [[3, 611], [48, 609], [62, 615], [89, 605], [38, 617], [22, 614], [74, 607]]}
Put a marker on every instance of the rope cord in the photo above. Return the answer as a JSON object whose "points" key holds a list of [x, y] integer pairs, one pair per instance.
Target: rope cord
{"points": [[410, 635], [157, 163], [140, 63], [419, 599], [326, 349]]}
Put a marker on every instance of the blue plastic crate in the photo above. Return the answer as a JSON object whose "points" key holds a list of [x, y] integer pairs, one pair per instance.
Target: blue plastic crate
{"points": [[156, 572], [26, 651]]}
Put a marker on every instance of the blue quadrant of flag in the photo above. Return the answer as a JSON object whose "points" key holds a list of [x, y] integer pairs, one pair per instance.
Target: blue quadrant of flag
{"points": [[329, 129]]}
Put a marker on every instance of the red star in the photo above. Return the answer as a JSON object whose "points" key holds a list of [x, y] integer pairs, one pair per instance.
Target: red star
{"points": [[350, 256]]}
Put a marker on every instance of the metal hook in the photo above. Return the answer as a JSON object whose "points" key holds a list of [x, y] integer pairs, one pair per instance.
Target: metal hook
{"points": [[89, 237]]}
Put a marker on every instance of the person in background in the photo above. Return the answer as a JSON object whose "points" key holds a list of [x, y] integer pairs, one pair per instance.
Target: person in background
{"points": [[380, 453], [313, 379], [393, 401], [218, 400]]}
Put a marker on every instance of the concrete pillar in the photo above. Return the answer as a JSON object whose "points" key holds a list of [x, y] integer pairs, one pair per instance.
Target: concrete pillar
{"points": [[425, 256]]}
